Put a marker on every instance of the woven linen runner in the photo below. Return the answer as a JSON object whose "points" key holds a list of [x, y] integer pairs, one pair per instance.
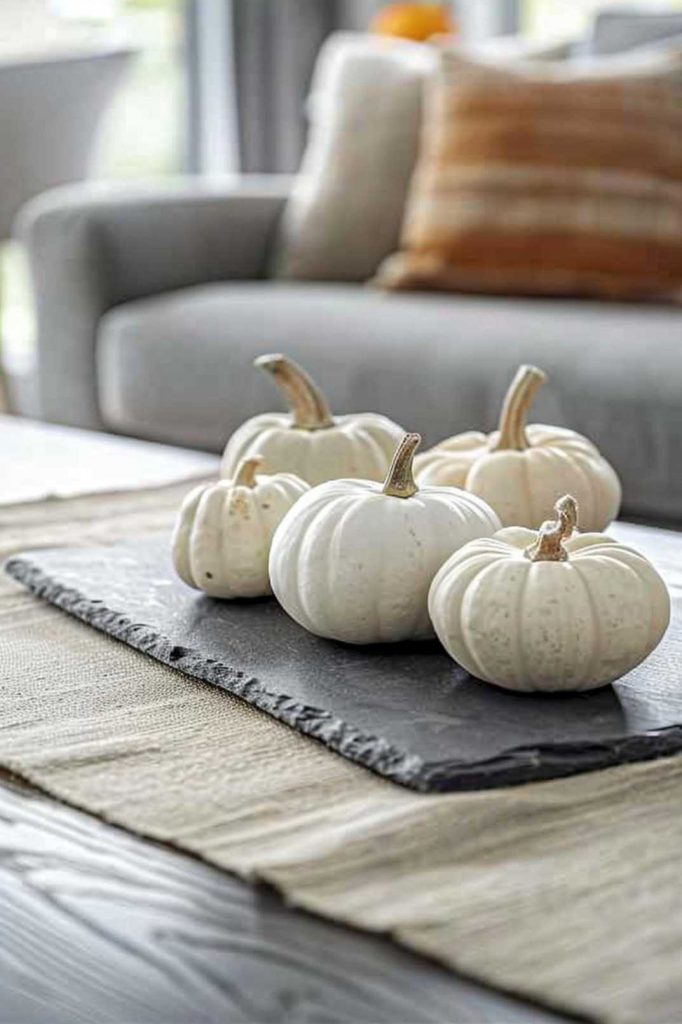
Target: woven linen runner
{"points": [[566, 892]]}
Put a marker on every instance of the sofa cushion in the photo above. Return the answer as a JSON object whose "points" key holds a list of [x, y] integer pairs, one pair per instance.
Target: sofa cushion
{"points": [[548, 179], [345, 210], [346, 207], [178, 368]]}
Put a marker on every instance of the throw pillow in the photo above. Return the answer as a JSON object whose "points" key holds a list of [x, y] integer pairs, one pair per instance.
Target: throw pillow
{"points": [[346, 207], [345, 211], [561, 179]]}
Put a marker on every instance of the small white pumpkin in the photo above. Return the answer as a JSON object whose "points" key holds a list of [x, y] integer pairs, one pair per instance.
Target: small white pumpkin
{"points": [[310, 441], [549, 611], [223, 533], [522, 470], [353, 560]]}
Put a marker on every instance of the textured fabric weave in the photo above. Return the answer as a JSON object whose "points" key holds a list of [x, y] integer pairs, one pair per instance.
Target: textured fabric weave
{"points": [[566, 892], [554, 180]]}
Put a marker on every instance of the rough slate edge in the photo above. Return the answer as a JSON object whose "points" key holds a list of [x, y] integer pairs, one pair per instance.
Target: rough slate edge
{"points": [[517, 765]]}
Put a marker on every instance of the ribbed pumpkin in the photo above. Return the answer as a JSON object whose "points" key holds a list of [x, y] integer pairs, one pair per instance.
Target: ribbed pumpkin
{"points": [[309, 441], [521, 470], [549, 611], [353, 560], [223, 533]]}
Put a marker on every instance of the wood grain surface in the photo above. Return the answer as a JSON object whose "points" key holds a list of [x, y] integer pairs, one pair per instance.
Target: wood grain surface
{"points": [[97, 925]]}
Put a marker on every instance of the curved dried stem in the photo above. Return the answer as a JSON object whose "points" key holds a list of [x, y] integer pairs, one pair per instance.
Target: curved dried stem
{"points": [[549, 546], [517, 402], [246, 471], [399, 482], [309, 407]]}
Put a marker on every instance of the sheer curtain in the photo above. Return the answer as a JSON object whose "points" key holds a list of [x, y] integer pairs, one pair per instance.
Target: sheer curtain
{"points": [[275, 44], [250, 63]]}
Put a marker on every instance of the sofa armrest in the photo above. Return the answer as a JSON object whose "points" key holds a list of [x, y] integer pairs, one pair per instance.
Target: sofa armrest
{"points": [[91, 248]]}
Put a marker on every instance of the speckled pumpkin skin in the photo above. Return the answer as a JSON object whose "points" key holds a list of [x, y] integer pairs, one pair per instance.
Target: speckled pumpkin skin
{"points": [[221, 543], [550, 625]]}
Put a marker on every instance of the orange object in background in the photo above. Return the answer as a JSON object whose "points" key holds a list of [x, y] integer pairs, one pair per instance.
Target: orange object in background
{"points": [[414, 21]]}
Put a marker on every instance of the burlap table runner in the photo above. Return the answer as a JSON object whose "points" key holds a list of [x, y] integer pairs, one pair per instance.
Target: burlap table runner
{"points": [[565, 892]]}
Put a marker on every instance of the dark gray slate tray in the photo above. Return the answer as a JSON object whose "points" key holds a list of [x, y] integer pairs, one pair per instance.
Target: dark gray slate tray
{"points": [[405, 711]]}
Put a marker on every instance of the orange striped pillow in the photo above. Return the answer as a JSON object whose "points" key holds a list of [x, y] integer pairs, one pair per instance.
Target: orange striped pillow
{"points": [[551, 180]]}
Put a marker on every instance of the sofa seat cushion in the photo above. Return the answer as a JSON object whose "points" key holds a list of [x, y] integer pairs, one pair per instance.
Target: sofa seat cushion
{"points": [[177, 368]]}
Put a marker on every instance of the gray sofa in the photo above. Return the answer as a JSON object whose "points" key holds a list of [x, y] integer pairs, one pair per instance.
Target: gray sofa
{"points": [[153, 303]]}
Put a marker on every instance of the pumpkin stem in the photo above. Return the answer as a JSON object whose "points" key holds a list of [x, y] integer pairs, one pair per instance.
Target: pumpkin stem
{"points": [[246, 471], [517, 402], [399, 482], [549, 545], [309, 407]]}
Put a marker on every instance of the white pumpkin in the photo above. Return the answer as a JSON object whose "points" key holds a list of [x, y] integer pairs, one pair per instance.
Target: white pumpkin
{"points": [[353, 560], [223, 533], [522, 470], [310, 441], [549, 611]]}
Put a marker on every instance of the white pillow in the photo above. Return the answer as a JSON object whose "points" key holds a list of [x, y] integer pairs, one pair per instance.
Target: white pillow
{"points": [[344, 214]]}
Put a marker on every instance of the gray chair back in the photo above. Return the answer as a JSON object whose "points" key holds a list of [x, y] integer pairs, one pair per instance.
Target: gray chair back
{"points": [[49, 111], [618, 29]]}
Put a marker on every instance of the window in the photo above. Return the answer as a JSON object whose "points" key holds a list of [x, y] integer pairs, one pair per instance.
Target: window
{"points": [[139, 136], [558, 18]]}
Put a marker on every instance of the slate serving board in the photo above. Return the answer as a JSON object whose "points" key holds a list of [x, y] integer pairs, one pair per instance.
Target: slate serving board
{"points": [[405, 711]]}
